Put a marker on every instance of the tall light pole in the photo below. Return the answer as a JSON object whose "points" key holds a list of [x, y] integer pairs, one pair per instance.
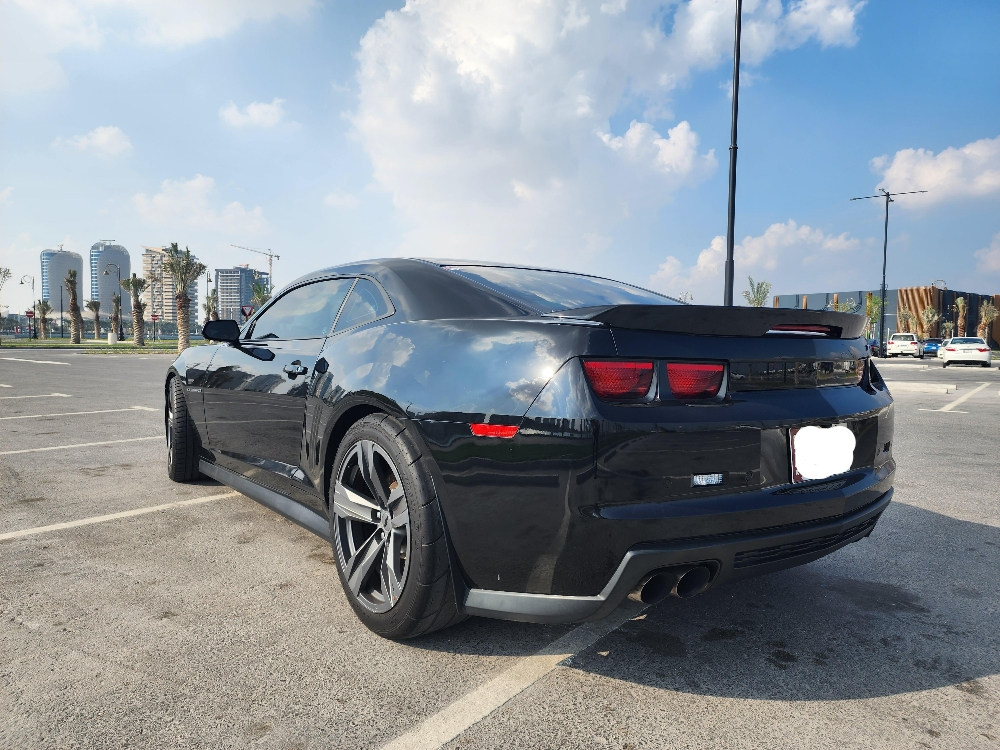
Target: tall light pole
{"points": [[32, 329], [121, 331], [731, 223], [885, 246]]}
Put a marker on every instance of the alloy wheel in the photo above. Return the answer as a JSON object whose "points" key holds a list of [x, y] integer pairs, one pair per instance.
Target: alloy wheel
{"points": [[371, 526]]}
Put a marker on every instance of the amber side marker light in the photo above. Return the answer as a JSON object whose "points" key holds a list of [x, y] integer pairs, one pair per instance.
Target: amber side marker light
{"points": [[480, 429], [688, 381], [619, 380]]}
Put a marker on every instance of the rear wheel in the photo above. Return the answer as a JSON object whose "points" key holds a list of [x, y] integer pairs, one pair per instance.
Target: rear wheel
{"points": [[388, 534], [944, 363], [182, 437]]}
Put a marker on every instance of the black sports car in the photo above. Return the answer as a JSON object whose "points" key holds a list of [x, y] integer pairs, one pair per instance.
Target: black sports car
{"points": [[482, 439]]}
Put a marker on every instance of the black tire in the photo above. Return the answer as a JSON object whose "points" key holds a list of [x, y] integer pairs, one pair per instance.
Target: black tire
{"points": [[944, 363], [426, 600], [182, 437]]}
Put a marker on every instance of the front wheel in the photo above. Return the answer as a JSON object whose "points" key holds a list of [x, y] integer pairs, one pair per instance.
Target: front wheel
{"points": [[182, 437], [388, 534], [944, 364]]}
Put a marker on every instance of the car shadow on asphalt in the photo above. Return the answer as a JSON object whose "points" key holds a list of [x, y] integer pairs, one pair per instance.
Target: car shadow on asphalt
{"points": [[911, 608]]}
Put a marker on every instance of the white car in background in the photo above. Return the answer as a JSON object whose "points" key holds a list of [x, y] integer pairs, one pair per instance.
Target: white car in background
{"points": [[904, 344], [940, 351], [966, 350]]}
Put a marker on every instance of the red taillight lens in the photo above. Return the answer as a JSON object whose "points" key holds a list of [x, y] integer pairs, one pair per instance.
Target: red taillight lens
{"points": [[619, 380], [494, 430], [950, 349], [694, 381], [982, 350]]}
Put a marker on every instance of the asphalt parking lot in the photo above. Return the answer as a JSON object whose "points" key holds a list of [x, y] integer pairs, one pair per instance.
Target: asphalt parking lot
{"points": [[220, 624]]}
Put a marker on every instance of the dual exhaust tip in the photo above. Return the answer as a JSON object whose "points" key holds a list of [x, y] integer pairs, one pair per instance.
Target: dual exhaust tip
{"points": [[683, 581]]}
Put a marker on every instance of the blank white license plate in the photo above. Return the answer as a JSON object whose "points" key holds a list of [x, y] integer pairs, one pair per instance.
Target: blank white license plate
{"points": [[821, 452]]}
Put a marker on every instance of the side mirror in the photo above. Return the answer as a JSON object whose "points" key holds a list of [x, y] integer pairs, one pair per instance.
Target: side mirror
{"points": [[221, 330]]}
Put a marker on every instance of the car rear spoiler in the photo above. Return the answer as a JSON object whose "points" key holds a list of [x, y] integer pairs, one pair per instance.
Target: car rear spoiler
{"points": [[710, 320]]}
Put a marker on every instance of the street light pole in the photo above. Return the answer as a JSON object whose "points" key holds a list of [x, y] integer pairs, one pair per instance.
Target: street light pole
{"points": [[32, 328], [883, 193], [731, 223], [62, 326]]}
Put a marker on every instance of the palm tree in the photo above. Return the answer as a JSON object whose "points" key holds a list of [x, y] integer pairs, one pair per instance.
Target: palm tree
{"points": [[116, 312], [4, 276], [259, 293], [929, 316], [946, 328], [987, 314], [905, 318], [75, 318], [94, 305], [961, 307], [184, 269], [42, 311], [211, 305], [757, 295], [873, 310], [135, 286]]}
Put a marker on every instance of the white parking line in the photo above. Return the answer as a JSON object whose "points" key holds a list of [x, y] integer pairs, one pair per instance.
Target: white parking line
{"points": [[35, 361], [74, 413], [447, 724], [111, 516], [4, 385], [80, 445], [41, 395], [962, 399]]}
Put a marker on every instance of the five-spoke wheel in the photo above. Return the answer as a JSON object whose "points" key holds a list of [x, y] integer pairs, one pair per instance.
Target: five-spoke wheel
{"points": [[371, 526]]}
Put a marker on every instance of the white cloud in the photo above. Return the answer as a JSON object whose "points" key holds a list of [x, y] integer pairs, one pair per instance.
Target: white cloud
{"points": [[106, 141], [35, 31], [969, 172], [340, 199], [5, 194], [988, 259], [489, 123], [186, 203], [781, 248], [254, 115]]}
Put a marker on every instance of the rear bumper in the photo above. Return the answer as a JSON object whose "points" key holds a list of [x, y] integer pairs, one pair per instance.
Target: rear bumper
{"points": [[736, 556]]}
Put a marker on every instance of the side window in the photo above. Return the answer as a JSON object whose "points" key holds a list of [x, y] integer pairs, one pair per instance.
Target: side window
{"points": [[366, 303], [306, 312]]}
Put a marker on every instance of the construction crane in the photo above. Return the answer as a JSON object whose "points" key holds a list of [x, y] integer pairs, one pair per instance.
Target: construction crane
{"points": [[270, 262]]}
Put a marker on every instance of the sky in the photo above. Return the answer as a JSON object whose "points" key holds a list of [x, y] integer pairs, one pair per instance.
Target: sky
{"points": [[588, 135]]}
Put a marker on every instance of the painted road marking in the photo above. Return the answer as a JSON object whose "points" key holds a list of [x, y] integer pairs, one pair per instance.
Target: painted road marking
{"points": [[112, 516], [75, 413], [35, 361], [4, 385], [447, 724], [43, 395], [80, 445], [962, 399]]}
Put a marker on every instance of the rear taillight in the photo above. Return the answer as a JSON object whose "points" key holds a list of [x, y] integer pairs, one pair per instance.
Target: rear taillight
{"points": [[982, 350], [619, 380], [494, 430], [694, 381], [950, 349]]}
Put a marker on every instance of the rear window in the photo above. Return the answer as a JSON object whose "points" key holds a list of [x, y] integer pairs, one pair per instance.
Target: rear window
{"points": [[967, 341], [552, 291], [903, 337]]}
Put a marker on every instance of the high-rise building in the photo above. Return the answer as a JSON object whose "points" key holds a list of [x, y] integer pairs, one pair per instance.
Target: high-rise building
{"points": [[55, 264], [104, 285], [160, 295], [235, 288]]}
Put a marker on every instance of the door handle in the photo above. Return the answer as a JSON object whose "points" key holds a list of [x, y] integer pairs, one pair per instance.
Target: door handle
{"points": [[295, 369]]}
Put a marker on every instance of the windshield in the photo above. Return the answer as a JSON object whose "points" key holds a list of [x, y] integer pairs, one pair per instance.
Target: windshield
{"points": [[552, 291], [967, 341]]}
